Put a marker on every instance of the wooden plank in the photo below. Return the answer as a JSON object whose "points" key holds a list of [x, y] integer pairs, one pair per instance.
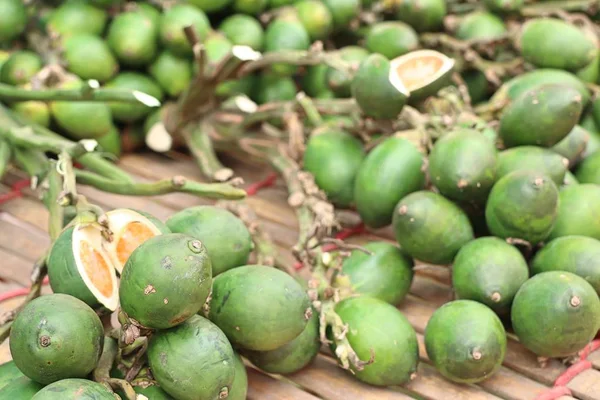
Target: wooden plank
{"points": [[586, 385], [15, 269], [594, 358], [432, 386], [330, 382], [21, 238], [263, 387]]}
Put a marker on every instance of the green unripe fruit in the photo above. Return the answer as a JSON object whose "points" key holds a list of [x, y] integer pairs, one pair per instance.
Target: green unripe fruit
{"points": [[522, 205], [14, 20], [391, 39], [541, 37], [20, 67], [56, 337], [174, 20], [89, 57], [132, 36]]}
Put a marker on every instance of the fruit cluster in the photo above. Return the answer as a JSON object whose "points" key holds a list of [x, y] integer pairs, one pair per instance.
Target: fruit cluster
{"points": [[457, 124]]}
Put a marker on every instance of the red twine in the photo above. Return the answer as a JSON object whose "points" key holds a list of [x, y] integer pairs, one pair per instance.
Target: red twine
{"points": [[15, 191], [560, 384], [18, 292], [265, 183]]}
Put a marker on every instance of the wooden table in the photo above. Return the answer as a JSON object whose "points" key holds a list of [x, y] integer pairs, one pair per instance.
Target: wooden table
{"points": [[23, 238]]}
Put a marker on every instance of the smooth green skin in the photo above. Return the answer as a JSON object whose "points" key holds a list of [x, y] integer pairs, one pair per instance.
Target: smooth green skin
{"points": [[133, 112], [593, 143], [21, 388], [173, 73], [479, 88], [385, 274], [74, 389], [316, 18], [74, 331], [503, 6], [343, 12], [431, 228], [487, 267], [172, 23], [391, 39], [422, 15], [35, 111], [77, 17], [569, 180], [286, 33], [243, 30], [14, 20], [578, 212], [4, 55], [480, 25], [373, 91], [111, 142], [589, 169], [239, 387], [591, 72], [540, 117], [8, 373], [149, 11], [339, 82], [314, 81], [193, 360], [573, 145], [279, 3], [579, 255], [462, 165], [334, 157], [20, 67], [545, 320], [541, 37], [596, 110], [82, 120], [272, 88], [523, 158], [165, 281], [511, 89], [224, 235], [522, 205], [132, 36], [252, 7], [393, 169], [259, 308], [89, 57], [62, 270], [588, 121], [455, 331], [210, 6], [376, 327], [292, 356]]}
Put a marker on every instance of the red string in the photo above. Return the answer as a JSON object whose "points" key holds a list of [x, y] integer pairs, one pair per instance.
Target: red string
{"points": [[560, 384], [18, 292], [265, 183], [15, 191]]}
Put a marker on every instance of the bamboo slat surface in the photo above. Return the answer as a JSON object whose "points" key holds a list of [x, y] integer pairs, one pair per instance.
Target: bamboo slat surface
{"points": [[23, 238]]}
